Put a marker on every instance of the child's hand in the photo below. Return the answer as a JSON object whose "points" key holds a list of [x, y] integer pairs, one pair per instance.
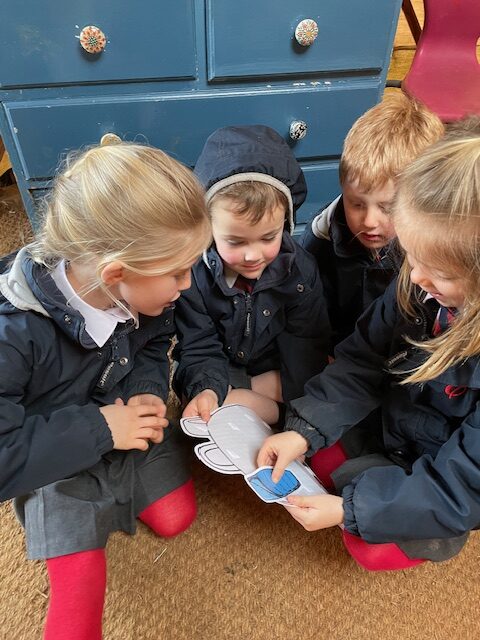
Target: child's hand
{"points": [[159, 404], [279, 450], [132, 426], [201, 405], [316, 512]]}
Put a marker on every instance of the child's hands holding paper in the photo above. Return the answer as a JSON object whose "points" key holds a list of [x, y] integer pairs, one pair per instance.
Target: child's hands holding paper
{"points": [[316, 512], [202, 405]]}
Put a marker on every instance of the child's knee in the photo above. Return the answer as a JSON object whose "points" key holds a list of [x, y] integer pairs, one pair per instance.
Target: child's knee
{"points": [[173, 514], [378, 557]]}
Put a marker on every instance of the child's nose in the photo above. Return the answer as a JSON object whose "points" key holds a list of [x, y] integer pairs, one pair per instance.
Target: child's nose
{"points": [[417, 277], [252, 253], [371, 219]]}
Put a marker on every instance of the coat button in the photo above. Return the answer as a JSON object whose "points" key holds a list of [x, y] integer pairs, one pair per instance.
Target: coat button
{"points": [[240, 354], [418, 320], [167, 322], [300, 288], [99, 354], [67, 319], [123, 361], [266, 312]]}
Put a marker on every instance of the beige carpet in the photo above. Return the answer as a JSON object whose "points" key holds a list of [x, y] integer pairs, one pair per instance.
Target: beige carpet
{"points": [[247, 571]]}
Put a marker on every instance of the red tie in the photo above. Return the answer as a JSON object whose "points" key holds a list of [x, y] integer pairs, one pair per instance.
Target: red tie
{"points": [[244, 284], [444, 319]]}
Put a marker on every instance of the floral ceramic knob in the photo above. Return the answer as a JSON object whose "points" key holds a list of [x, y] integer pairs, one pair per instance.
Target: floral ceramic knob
{"points": [[109, 138], [92, 39], [306, 32], [298, 129]]}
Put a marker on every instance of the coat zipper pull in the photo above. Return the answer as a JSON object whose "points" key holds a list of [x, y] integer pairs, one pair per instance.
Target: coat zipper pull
{"points": [[248, 306]]}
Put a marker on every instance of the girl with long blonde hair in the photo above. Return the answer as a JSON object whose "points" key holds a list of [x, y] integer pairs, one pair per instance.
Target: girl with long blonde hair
{"points": [[410, 491], [86, 320]]}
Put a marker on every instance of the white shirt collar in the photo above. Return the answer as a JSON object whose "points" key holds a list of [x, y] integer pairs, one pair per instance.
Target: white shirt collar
{"points": [[99, 323], [230, 276]]}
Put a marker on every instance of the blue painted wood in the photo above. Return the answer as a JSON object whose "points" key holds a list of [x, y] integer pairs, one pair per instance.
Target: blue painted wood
{"points": [[40, 41], [323, 187], [173, 71], [252, 38], [181, 124]]}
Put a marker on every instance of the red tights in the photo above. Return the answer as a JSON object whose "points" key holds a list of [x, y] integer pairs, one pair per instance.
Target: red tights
{"points": [[373, 557], [78, 580]]}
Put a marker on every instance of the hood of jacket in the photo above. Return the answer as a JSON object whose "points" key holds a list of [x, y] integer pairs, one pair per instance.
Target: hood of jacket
{"points": [[15, 288], [28, 286], [245, 153]]}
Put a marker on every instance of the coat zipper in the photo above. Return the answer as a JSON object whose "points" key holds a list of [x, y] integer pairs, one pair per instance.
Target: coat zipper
{"points": [[248, 318]]}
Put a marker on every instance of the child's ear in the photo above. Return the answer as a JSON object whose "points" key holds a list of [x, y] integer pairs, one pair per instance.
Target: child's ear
{"points": [[113, 273]]}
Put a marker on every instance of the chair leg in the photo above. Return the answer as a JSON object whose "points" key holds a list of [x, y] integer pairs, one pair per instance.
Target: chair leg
{"points": [[412, 19]]}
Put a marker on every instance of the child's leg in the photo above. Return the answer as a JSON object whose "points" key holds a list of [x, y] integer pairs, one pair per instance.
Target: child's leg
{"points": [[266, 408], [378, 557], [77, 593], [326, 461], [361, 440], [172, 514], [263, 398]]}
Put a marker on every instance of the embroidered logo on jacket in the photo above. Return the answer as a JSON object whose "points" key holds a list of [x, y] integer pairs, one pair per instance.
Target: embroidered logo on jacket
{"points": [[454, 392]]}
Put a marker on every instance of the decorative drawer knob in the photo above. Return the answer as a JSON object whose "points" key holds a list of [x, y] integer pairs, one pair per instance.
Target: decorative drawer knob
{"points": [[298, 130], [109, 138], [306, 32], [92, 39]]}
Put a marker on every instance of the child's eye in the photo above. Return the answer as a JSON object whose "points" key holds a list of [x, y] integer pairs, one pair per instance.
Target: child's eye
{"points": [[441, 276], [385, 208], [269, 239], [234, 243]]}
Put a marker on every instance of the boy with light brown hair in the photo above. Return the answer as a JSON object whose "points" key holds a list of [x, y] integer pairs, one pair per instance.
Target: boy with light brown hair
{"points": [[353, 238]]}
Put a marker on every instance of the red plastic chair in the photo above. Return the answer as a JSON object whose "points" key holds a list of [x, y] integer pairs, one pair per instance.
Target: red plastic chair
{"points": [[445, 73]]}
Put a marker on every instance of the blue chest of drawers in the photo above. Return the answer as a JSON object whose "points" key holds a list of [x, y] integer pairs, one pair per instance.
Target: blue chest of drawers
{"points": [[172, 71]]}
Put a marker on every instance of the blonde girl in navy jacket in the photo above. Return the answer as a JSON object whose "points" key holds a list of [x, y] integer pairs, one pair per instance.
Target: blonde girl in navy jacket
{"points": [[414, 494], [86, 320]]}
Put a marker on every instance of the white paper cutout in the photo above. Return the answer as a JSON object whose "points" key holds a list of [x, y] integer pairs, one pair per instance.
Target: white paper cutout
{"points": [[234, 436]]}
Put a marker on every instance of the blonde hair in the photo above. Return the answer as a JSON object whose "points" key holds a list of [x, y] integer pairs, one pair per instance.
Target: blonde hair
{"points": [[125, 202], [438, 202], [385, 139], [251, 199]]}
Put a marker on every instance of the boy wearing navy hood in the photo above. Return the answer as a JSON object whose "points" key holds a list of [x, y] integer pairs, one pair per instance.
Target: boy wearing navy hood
{"points": [[253, 327]]}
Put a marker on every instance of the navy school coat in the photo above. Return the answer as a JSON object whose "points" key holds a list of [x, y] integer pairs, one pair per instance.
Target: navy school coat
{"points": [[54, 378], [283, 324], [433, 428]]}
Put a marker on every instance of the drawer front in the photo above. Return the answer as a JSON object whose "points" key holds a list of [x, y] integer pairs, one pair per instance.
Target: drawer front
{"points": [[252, 38], [40, 42], [323, 187], [43, 131]]}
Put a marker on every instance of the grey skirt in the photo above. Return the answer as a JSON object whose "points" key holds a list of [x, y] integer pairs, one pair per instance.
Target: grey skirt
{"points": [[79, 513]]}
